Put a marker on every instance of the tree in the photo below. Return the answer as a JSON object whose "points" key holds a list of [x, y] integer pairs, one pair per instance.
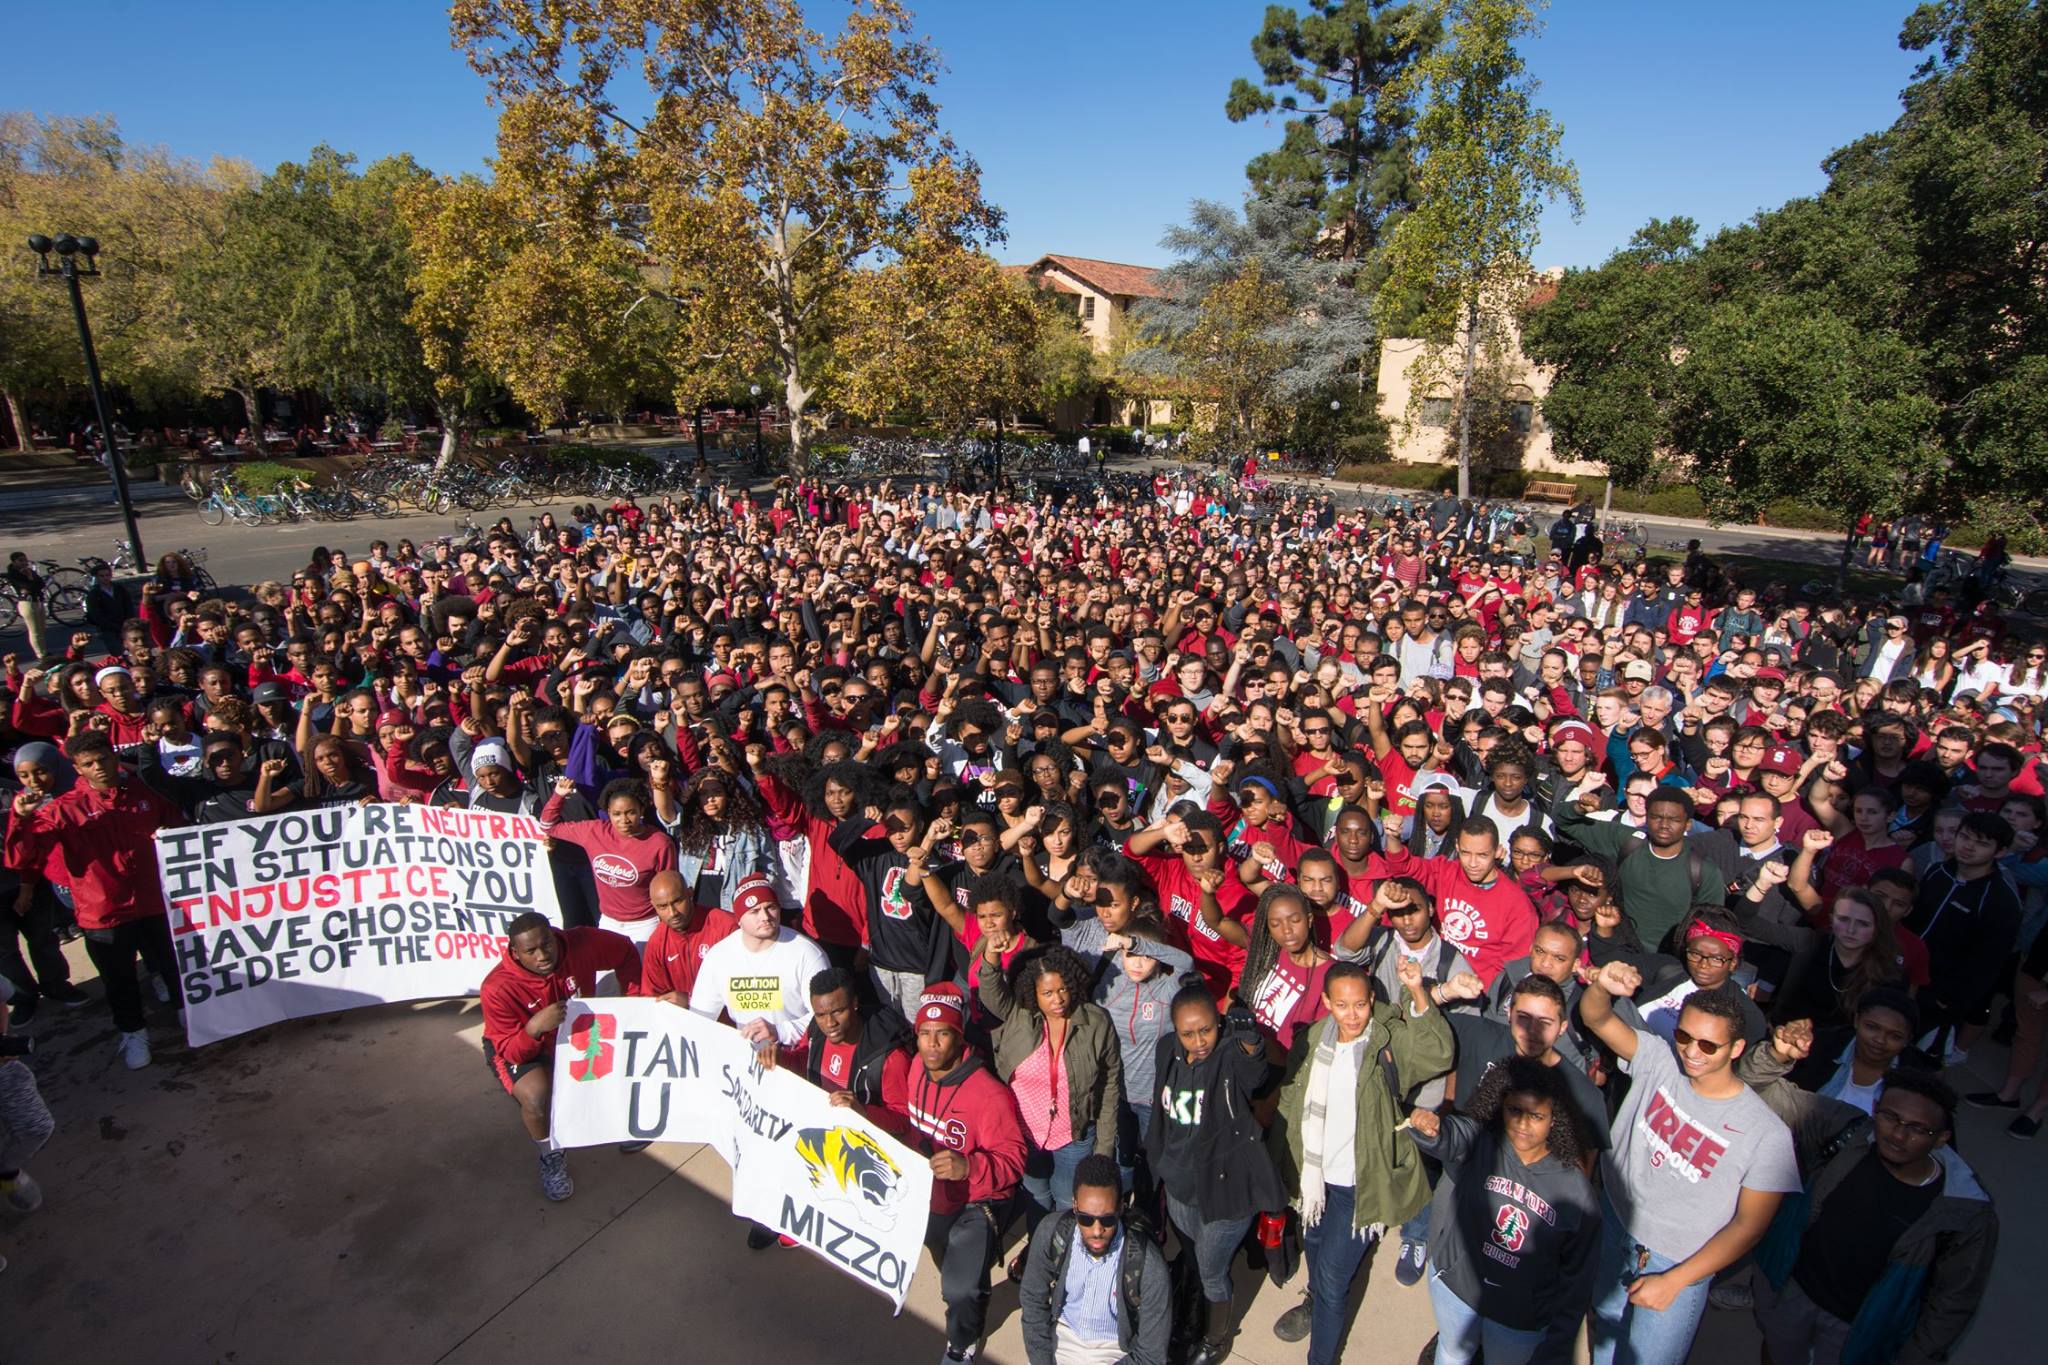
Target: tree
{"points": [[459, 247], [1612, 337], [146, 208], [941, 334], [1779, 399], [1489, 159], [306, 288], [1345, 151], [773, 160], [1250, 318]]}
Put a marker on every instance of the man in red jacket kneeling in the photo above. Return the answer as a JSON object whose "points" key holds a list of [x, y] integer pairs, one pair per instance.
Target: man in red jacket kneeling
{"points": [[524, 999], [969, 1122]]}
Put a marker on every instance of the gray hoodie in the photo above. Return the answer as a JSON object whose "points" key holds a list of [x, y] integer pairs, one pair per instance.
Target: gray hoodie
{"points": [[1142, 1013]]}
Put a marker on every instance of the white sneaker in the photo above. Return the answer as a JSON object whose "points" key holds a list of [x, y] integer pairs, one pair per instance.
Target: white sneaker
{"points": [[135, 1049], [22, 1194], [957, 1355], [554, 1176]]}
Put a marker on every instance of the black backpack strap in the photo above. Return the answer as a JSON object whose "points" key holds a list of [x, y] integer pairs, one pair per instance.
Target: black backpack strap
{"points": [[1131, 1270], [1061, 1245], [1696, 868]]}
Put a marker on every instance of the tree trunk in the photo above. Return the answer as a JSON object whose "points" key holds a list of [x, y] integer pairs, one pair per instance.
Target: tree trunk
{"points": [[1465, 398], [1848, 555], [796, 399], [450, 437], [252, 413], [697, 422], [18, 415]]}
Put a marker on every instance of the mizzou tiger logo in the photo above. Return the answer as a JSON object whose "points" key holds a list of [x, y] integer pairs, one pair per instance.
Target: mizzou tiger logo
{"points": [[850, 1163]]}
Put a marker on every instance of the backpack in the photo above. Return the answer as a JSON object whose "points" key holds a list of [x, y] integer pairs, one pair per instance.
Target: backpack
{"points": [[1130, 1268], [1695, 868]]}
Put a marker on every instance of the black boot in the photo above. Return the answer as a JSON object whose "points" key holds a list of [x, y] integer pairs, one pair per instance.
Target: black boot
{"points": [[1215, 1347]]}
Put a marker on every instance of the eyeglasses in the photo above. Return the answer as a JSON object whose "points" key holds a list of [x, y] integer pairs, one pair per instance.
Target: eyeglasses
{"points": [[1706, 1045], [1890, 1119], [1097, 1220], [1707, 959]]}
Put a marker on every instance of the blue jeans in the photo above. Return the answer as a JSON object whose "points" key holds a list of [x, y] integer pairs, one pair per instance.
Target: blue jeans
{"points": [[1334, 1254], [1461, 1334], [1622, 1334], [1212, 1244], [1048, 1182]]}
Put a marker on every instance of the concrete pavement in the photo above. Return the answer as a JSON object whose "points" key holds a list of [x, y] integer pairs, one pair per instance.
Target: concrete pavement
{"points": [[357, 1186]]}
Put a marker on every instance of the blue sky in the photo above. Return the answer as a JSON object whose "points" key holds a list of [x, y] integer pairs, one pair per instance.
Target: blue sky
{"points": [[1095, 123]]}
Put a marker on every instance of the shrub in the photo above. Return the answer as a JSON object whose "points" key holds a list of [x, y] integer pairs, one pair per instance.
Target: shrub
{"points": [[264, 476]]}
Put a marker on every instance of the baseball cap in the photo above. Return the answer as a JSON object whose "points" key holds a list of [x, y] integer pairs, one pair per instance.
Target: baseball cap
{"points": [[393, 716], [942, 1004], [1774, 676], [1782, 759], [753, 893], [267, 692], [1638, 670]]}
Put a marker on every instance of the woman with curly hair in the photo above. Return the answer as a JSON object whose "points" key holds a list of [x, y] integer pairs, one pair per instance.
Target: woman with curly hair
{"points": [[721, 837], [1057, 1051], [1513, 1228]]}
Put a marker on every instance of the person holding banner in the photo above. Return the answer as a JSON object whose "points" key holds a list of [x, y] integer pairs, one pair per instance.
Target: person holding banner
{"points": [[103, 831], [523, 1005], [687, 931], [625, 852], [760, 977], [977, 1146], [858, 1056]]}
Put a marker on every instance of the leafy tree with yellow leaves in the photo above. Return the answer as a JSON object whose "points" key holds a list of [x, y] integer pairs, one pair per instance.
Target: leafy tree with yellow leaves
{"points": [[751, 163]]}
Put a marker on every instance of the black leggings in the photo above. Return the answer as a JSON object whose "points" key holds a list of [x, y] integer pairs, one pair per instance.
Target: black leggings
{"points": [[113, 953]]}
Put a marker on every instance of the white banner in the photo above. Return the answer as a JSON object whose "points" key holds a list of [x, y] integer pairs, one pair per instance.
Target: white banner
{"points": [[634, 1070], [311, 911]]}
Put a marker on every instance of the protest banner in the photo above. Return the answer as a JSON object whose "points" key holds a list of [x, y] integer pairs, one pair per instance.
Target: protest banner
{"points": [[634, 1070], [307, 912]]}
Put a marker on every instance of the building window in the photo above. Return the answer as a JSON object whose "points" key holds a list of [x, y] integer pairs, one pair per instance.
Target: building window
{"points": [[1088, 308], [1436, 412], [1522, 416]]}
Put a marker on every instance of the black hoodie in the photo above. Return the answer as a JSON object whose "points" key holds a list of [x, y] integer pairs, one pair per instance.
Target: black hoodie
{"points": [[1203, 1141]]}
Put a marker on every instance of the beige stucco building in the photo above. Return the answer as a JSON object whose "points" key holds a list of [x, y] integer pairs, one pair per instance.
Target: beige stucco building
{"points": [[1104, 293], [1423, 433]]}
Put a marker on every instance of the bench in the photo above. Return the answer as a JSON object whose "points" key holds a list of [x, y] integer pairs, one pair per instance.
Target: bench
{"points": [[1542, 491]]}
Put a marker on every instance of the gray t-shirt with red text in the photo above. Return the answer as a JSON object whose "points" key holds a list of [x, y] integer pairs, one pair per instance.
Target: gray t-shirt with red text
{"points": [[1678, 1161]]}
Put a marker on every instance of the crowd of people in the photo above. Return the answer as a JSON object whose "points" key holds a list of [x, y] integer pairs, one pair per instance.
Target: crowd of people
{"points": [[1179, 875]]}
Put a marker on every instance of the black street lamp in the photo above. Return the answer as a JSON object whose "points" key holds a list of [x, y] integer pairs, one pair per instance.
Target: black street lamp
{"points": [[69, 250], [755, 390]]}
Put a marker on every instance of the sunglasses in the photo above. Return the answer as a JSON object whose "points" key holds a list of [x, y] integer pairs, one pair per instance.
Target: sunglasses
{"points": [[1891, 1120], [1706, 1045], [1097, 1220], [1195, 845]]}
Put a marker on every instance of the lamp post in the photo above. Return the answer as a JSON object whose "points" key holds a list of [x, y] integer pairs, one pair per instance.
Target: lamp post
{"points": [[755, 390], [69, 250]]}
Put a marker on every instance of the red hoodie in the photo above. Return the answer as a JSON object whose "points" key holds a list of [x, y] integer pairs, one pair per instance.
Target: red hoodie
{"points": [[1491, 925], [671, 959], [104, 839], [974, 1114], [511, 995], [835, 910]]}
